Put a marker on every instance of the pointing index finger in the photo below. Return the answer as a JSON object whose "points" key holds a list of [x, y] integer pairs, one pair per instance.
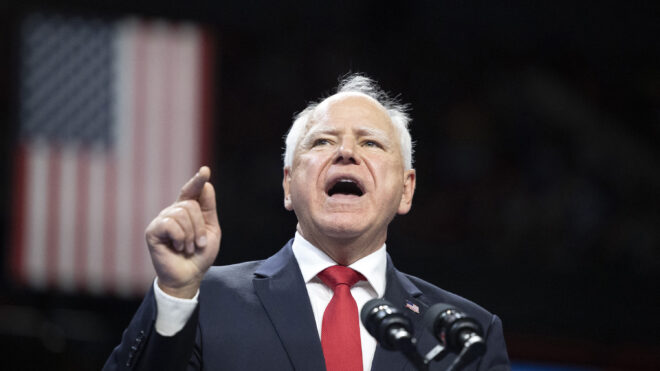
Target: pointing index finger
{"points": [[193, 188]]}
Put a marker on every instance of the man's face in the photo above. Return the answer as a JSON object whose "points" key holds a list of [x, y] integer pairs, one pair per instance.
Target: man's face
{"points": [[347, 179]]}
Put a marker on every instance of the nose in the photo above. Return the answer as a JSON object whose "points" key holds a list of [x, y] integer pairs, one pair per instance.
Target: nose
{"points": [[347, 153]]}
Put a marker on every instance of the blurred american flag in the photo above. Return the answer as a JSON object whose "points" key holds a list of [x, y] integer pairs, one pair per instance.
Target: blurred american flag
{"points": [[114, 117]]}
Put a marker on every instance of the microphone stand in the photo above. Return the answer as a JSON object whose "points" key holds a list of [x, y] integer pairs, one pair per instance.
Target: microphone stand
{"points": [[408, 345], [467, 354]]}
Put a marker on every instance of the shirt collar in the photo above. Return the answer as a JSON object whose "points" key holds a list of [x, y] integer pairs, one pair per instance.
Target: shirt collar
{"points": [[312, 261]]}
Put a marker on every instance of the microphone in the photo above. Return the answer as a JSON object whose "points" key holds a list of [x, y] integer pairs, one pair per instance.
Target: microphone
{"points": [[392, 329], [456, 331], [387, 324]]}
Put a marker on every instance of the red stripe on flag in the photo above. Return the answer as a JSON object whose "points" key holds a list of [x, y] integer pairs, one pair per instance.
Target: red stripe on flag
{"points": [[82, 219], [110, 226], [206, 84], [169, 88], [19, 207]]}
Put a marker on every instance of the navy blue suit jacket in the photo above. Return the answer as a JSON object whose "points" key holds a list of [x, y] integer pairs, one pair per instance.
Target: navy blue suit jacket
{"points": [[257, 316]]}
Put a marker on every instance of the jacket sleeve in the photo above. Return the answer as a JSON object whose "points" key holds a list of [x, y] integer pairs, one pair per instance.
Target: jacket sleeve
{"points": [[142, 348]]}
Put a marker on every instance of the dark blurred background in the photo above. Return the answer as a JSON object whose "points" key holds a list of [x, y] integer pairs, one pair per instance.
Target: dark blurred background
{"points": [[536, 127]]}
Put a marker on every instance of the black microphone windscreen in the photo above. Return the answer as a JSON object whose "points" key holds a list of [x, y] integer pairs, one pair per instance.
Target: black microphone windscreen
{"points": [[432, 315], [368, 311]]}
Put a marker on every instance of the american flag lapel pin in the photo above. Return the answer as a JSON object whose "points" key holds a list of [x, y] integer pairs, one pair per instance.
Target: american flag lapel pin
{"points": [[411, 306]]}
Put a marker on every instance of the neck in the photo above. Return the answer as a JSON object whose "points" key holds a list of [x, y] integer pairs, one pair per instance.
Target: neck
{"points": [[345, 251]]}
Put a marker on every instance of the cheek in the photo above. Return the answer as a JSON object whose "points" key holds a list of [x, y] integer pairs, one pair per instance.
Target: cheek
{"points": [[391, 179], [303, 184], [309, 168], [387, 169]]}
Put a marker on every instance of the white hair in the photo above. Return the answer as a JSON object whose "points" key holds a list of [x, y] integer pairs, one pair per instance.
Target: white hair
{"points": [[355, 83]]}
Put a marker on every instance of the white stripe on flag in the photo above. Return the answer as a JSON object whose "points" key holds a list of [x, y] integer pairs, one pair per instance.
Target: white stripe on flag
{"points": [[95, 243], [35, 226], [66, 222]]}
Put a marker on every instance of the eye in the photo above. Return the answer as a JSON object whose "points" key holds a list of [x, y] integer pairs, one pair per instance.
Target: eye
{"points": [[372, 143], [320, 142]]}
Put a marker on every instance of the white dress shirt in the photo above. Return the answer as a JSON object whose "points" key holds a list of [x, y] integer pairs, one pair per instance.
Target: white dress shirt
{"points": [[173, 313], [373, 266]]}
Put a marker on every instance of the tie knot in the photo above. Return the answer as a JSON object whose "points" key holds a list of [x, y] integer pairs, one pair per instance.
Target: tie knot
{"points": [[338, 275]]}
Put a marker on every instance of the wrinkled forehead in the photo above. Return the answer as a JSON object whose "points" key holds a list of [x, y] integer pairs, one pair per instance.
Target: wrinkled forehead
{"points": [[347, 102]]}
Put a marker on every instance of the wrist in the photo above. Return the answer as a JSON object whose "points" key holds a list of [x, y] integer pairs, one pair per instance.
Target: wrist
{"points": [[186, 291]]}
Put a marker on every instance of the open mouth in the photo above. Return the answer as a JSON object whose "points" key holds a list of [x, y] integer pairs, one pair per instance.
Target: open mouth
{"points": [[345, 186]]}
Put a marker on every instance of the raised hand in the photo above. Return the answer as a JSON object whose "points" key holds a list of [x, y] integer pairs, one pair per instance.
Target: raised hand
{"points": [[184, 238]]}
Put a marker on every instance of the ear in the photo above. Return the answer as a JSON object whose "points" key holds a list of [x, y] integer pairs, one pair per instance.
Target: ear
{"points": [[409, 177], [286, 185]]}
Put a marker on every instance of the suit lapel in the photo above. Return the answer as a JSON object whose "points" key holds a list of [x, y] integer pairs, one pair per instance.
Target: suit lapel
{"points": [[399, 292], [281, 289]]}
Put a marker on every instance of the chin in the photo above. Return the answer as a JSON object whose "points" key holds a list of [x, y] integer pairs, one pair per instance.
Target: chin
{"points": [[344, 228]]}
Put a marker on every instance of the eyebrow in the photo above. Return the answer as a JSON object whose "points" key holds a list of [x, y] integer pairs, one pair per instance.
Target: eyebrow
{"points": [[360, 131], [327, 130], [376, 133]]}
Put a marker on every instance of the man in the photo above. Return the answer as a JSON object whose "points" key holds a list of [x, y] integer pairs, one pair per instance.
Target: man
{"points": [[347, 173]]}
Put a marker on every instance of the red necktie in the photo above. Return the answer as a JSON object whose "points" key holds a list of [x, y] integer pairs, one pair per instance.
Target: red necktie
{"points": [[340, 332]]}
